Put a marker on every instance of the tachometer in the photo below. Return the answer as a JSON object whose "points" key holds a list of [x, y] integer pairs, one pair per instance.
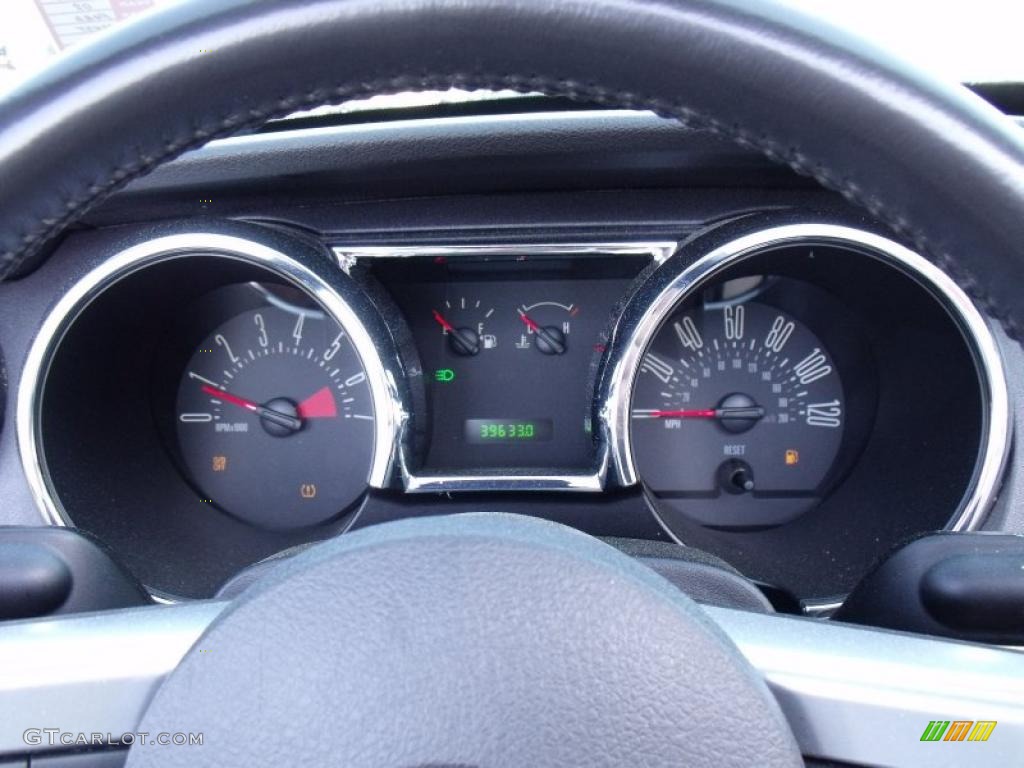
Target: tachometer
{"points": [[275, 418], [735, 401]]}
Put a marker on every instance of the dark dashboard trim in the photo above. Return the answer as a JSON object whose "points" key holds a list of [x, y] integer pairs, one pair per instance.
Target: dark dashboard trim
{"points": [[424, 158], [607, 148]]}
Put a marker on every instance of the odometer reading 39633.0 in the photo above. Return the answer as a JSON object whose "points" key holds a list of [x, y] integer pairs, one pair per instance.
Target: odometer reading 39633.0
{"points": [[275, 418], [483, 431], [736, 401]]}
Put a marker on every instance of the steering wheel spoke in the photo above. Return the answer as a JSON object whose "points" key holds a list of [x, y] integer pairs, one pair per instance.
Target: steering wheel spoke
{"points": [[849, 693]]}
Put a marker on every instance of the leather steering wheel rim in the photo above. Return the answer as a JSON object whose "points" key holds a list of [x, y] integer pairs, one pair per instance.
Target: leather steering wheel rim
{"points": [[944, 170]]}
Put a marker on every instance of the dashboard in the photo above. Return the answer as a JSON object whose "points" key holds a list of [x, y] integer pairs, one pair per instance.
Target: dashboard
{"points": [[785, 387]]}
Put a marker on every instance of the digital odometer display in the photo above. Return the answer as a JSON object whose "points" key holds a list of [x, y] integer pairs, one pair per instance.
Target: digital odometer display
{"points": [[486, 431]]}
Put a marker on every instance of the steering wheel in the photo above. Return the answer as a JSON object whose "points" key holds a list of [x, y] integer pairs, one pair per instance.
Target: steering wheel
{"points": [[490, 640]]}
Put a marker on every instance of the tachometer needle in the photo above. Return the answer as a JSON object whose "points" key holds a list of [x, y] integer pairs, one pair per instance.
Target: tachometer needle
{"points": [[291, 422]]}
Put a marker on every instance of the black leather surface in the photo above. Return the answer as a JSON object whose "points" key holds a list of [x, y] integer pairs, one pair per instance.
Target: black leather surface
{"points": [[487, 154], [472, 640], [941, 167]]}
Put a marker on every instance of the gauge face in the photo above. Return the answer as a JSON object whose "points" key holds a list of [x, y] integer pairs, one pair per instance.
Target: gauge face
{"points": [[275, 418], [737, 402], [548, 326], [464, 321]]}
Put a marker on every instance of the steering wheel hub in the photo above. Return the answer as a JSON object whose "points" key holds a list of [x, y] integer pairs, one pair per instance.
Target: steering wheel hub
{"points": [[478, 640]]}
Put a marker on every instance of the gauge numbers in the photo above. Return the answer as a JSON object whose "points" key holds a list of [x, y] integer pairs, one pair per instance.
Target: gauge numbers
{"points": [[736, 399], [275, 418]]}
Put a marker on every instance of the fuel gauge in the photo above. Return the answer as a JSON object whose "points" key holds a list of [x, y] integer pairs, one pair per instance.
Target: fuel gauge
{"points": [[463, 323]]}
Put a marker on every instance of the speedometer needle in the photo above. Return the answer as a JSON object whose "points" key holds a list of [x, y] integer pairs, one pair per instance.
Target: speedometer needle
{"points": [[291, 422], [753, 412], [691, 414]]}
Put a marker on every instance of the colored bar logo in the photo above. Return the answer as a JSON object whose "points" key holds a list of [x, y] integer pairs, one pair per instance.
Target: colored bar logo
{"points": [[958, 730]]}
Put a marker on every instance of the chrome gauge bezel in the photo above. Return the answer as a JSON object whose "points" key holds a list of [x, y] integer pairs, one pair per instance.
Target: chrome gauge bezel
{"points": [[337, 294], [651, 306]]}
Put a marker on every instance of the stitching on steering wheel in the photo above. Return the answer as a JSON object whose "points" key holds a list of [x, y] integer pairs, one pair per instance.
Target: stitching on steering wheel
{"points": [[774, 150]]}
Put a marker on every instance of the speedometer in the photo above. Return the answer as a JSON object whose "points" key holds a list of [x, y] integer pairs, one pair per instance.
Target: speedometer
{"points": [[737, 400], [797, 397]]}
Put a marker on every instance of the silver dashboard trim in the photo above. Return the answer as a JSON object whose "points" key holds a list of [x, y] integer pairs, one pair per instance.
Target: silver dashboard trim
{"points": [[997, 436], [821, 608], [585, 482], [850, 694], [588, 482], [659, 251], [389, 413]]}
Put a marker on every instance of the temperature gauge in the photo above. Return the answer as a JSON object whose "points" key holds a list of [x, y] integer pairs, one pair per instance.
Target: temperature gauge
{"points": [[548, 325]]}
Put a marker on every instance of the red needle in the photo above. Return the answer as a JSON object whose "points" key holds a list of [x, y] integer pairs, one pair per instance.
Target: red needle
{"points": [[319, 405], [699, 414], [288, 421], [529, 323], [444, 323], [241, 402]]}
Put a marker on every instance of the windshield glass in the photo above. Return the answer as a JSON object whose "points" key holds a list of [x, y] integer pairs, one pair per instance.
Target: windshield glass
{"points": [[972, 42]]}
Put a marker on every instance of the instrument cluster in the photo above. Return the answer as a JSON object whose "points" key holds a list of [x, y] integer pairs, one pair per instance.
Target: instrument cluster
{"points": [[508, 341], [771, 390]]}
